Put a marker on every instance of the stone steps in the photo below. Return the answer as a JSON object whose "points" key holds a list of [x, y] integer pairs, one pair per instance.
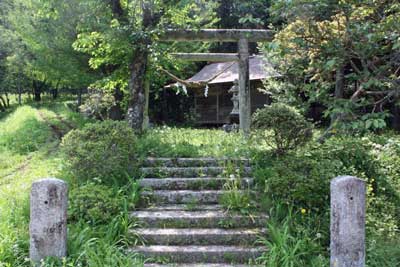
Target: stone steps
{"points": [[194, 183], [195, 162], [199, 265], [200, 254], [183, 223], [198, 219], [199, 236], [182, 196], [184, 207], [151, 172]]}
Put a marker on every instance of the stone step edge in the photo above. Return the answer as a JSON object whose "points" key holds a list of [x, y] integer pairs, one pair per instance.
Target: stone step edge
{"points": [[180, 214], [199, 265], [184, 207], [186, 196], [196, 249], [200, 254], [194, 178], [194, 192], [246, 237], [199, 231], [196, 184], [161, 168], [153, 161]]}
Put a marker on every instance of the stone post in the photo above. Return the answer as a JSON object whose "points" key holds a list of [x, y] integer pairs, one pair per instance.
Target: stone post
{"points": [[48, 219], [348, 198]]}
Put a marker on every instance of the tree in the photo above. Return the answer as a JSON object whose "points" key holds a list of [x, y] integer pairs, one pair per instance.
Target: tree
{"points": [[345, 55], [44, 32], [123, 42]]}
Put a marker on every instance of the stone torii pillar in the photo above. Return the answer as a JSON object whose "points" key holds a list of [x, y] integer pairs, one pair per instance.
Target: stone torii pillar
{"points": [[242, 37]]}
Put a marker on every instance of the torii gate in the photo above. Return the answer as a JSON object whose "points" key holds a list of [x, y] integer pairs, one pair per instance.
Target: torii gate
{"points": [[243, 37]]}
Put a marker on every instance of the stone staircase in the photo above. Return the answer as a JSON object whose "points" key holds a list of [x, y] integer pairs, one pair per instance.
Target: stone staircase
{"points": [[183, 223]]}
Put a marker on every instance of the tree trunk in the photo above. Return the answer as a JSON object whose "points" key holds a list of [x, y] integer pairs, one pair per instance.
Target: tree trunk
{"points": [[37, 95], [79, 100], [37, 91], [138, 68], [7, 100], [116, 113], [339, 85], [146, 120], [3, 105], [137, 99], [54, 93], [19, 91], [395, 120], [339, 89]]}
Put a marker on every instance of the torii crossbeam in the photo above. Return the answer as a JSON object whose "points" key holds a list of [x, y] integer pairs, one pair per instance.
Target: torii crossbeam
{"points": [[242, 37]]}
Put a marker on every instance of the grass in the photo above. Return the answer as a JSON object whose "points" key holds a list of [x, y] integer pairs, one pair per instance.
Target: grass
{"points": [[29, 150], [27, 153], [186, 142], [288, 244], [29, 142]]}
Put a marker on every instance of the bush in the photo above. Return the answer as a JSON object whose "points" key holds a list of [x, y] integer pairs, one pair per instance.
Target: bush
{"points": [[289, 128], [94, 203], [98, 104], [102, 151], [303, 178]]}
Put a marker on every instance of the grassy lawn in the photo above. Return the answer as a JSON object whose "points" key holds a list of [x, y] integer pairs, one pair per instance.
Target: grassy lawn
{"points": [[186, 142]]}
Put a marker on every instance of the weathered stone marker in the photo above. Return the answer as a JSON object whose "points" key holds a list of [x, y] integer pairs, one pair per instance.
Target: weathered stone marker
{"points": [[348, 197], [48, 219]]}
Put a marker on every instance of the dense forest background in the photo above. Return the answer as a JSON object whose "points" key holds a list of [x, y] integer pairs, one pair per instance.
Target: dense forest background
{"points": [[339, 59]]}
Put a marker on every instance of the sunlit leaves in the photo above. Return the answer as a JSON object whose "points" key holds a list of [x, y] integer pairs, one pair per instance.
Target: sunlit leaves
{"points": [[360, 37]]}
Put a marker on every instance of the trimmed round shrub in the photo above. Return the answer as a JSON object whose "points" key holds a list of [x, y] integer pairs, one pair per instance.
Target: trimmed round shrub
{"points": [[94, 203], [103, 151], [289, 128]]}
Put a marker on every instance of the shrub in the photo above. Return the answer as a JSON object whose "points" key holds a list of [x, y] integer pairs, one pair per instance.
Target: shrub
{"points": [[303, 178], [289, 128], [100, 150], [94, 203], [98, 104]]}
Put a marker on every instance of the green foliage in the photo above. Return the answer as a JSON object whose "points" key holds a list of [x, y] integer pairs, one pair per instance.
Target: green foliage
{"points": [[97, 105], [44, 31], [89, 243], [237, 198], [290, 244], [95, 204], [303, 178], [289, 128], [104, 151], [185, 142], [382, 251], [316, 41], [24, 131]]}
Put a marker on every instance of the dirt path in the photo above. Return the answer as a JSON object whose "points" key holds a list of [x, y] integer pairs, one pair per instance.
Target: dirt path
{"points": [[57, 131]]}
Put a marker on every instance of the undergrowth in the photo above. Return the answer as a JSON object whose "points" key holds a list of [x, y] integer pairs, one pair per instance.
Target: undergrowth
{"points": [[29, 150], [293, 188]]}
